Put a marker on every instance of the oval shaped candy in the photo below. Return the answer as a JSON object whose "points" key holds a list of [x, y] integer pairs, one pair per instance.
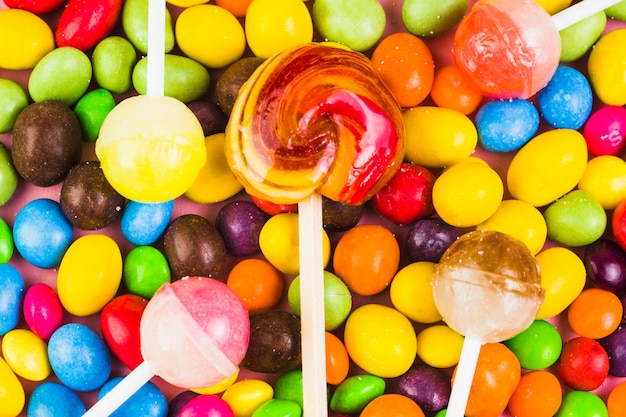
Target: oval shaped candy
{"points": [[119, 322], [567, 99], [42, 233], [579, 38], [207, 405], [54, 399], [13, 398], [277, 407], [135, 24], [91, 110], [26, 353], [78, 357], [113, 60], [355, 392], [36, 6], [25, 38], [43, 312], [607, 68], [11, 295], [145, 270], [8, 174], [84, 23], [89, 274], [147, 401], [6, 242], [605, 131], [143, 223], [247, 395], [506, 125]]}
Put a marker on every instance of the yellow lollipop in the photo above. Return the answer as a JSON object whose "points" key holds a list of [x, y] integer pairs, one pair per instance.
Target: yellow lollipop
{"points": [[151, 148]]}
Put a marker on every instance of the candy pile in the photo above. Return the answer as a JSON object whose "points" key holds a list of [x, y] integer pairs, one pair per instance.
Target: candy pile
{"points": [[79, 261]]}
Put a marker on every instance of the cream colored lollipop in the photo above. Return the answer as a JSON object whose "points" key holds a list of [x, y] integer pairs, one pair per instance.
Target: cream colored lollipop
{"points": [[487, 287]]}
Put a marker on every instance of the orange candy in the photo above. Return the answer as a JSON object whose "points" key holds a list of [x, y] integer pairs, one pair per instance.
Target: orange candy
{"points": [[407, 67], [257, 283], [497, 374], [337, 360], [615, 403], [451, 90], [595, 313], [366, 258], [236, 7], [395, 405], [538, 394]]}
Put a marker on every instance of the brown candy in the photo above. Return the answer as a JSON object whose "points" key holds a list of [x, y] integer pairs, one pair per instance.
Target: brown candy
{"points": [[338, 216], [231, 80], [47, 142]]}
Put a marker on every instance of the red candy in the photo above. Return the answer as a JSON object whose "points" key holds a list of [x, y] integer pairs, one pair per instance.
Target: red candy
{"points": [[119, 321], [43, 312], [86, 22], [583, 364]]}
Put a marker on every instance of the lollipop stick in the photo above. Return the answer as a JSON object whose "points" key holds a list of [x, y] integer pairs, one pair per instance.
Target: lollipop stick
{"points": [[463, 378], [156, 49], [312, 306], [122, 391], [580, 11]]}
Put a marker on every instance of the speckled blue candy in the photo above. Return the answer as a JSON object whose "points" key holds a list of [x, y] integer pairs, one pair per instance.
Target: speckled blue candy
{"points": [[565, 103], [42, 233], [147, 401], [79, 357], [11, 297], [52, 399], [143, 223], [506, 125]]}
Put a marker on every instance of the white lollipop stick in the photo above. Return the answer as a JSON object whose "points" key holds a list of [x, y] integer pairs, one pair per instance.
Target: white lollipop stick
{"points": [[580, 11], [156, 50], [312, 307], [463, 377]]}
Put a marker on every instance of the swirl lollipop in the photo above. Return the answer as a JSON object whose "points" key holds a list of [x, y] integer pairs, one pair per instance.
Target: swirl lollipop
{"points": [[314, 120]]}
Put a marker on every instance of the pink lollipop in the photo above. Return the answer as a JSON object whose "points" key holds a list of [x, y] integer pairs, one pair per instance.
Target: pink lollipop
{"points": [[194, 333], [511, 48]]}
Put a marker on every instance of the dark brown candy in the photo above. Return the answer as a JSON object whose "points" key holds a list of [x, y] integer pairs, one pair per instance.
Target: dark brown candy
{"points": [[211, 117], [338, 216], [274, 342], [47, 142], [194, 247], [231, 80], [87, 199]]}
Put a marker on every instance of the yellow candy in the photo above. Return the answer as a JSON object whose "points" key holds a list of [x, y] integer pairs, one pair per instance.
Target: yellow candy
{"points": [[437, 137], [605, 179], [215, 181], [219, 387], [380, 340], [554, 6], [520, 220], [563, 276], [151, 148], [24, 39], [547, 167], [272, 26], [12, 396], [247, 395], [27, 354], [467, 193], [199, 26], [607, 68], [439, 346], [89, 274], [186, 3], [411, 292]]}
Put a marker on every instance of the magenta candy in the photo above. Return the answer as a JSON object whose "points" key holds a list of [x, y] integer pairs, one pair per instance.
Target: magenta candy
{"points": [[605, 131], [43, 312], [207, 405]]}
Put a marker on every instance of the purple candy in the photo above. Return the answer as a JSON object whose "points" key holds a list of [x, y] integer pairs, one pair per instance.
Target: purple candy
{"points": [[605, 262], [429, 387], [240, 223], [615, 346], [429, 238], [178, 403]]}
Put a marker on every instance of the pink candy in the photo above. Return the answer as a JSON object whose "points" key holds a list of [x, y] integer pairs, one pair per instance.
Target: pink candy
{"points": [[43, 312], [605, 131]]}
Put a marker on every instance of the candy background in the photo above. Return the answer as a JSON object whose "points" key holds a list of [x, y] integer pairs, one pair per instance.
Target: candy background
{"points": [[441, 50]]}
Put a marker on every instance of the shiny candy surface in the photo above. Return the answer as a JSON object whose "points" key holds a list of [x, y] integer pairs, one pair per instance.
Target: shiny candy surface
{"points": [[605, 130], [26, 353], [607, 67], [247, 395], [144, 223], [537, 347], [12, 396], [55, 399], [145, 269], [7, 245], [119, 323], [355, 392], [207, 405], [43, 312], [411, 292], [25, 38], [439, 346], [538, 394], [148, 401], [605, 180], [567, 99], [506, 125], [342, 136], [11, 297]]}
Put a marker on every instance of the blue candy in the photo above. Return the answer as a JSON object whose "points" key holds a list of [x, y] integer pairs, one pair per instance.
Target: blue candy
{"points": [[565, 103], [147, 401], [143, 223], [506, 125], [52, 399], [42, 233], [78, 357], [11, 297]]}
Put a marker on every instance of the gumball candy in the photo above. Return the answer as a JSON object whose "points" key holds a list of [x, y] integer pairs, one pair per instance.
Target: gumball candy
{"points": [[143, 223], [583, 364], [606, 68], [567, 99], [340, 217], [355, 392], [537, 347], [257, 283], [605, 262], [397, 404], [506, 125], [26, 353], [411, 293], [178, 402], [247, 395], [425, 18], [615, 403], [603, 179], [43, 311], [582, 403], [613, 344], [538, 394], [595, 313], [54, 399], [429, 387], [428, 239], [240, 223], [453, 91], [439, 346], [605, 130], [209, 405], [167, 167], [11, 297]]}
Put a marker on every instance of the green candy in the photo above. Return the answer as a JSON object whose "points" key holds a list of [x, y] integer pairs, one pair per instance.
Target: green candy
{"points": [[576, 219], [145, 270], [288, 386], [430, 18], [355, 392], [185, 79], [135, 25], [278, 408], [6, 242], [579, 38], [8, 175], [617, 11], [537, 347], [63, 74], [582, 404], [13, 99], [113, 60], [337, 300], [91, 110]]}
